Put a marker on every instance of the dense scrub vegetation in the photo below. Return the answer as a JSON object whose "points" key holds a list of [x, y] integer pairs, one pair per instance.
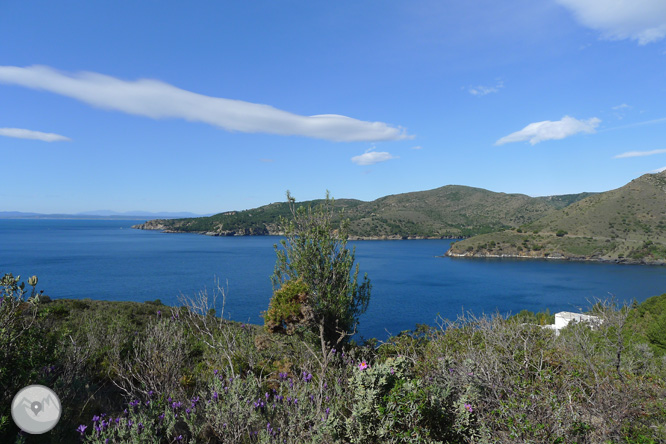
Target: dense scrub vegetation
{"points": [[132, 372]]}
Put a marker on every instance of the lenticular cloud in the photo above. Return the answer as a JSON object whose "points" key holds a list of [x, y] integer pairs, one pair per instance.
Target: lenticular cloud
{"points": [[159, 100], [548, 130], [21, 133]]}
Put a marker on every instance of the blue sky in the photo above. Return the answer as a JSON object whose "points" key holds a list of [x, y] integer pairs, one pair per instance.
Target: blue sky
{"points": [[210, 106]]}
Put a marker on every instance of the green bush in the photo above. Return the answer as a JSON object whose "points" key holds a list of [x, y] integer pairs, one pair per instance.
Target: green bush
{"points": [[315, 251]]}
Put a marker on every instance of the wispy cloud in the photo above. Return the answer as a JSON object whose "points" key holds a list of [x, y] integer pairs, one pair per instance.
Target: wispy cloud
{"points": [[639, 153], [418, 147], [658, 170], [484, 90], [621, 107], [372, 157], [548, 130], [159, 100], [35, 135], [641, 20]]}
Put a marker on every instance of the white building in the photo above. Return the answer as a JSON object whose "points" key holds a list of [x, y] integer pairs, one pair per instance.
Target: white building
{"points": [[563, 318]]}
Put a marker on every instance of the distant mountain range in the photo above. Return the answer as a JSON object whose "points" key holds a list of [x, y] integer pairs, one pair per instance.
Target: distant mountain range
{"points": [[101, 214], [448, 212], [623, 225]]}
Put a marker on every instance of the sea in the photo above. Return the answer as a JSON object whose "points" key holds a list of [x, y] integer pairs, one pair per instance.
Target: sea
{"points": [[412, 283]]}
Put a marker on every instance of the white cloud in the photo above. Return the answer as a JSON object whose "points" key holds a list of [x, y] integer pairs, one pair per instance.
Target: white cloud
{"points": [[658, 170], [640, 20], [483, 90], [621, 107], [639, 153], [29, 134], [418, 147], [548, 130], [159, 100], [372, 157]]}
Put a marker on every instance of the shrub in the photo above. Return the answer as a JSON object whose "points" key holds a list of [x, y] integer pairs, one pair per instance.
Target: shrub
{"points": [[315, 251], [289, 308]]}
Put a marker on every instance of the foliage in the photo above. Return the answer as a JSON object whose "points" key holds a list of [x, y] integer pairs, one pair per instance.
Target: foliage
{"points": [[315, 251], [132, 372], [289, 308]]}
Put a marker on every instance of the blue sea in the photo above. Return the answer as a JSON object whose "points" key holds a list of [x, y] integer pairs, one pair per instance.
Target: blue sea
{"points": [[411, 283]]}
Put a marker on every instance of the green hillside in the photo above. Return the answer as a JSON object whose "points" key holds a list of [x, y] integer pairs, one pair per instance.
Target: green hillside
{"points": [[626, 225], [448, 212]]}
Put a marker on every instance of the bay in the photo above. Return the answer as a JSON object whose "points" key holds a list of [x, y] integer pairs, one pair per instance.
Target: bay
{"points": [[106, 259]]}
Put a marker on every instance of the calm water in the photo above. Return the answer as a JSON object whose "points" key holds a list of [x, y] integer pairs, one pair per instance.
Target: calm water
{"points": [[108, 260]]}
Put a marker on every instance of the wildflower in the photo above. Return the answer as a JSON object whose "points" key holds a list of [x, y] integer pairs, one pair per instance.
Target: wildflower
{"points": [[151, 393], [363, 365], [179, 438], [392, 371], [195, 401], [215, 396], [129, 423], [159, 313], [95, 419], [81, 429], [333, 350], [215, 372], [134, 403], [140, 427], [469, 408]]}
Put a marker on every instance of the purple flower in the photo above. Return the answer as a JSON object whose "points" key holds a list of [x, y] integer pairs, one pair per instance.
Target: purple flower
{"points": [[95, 419], [129, 423], [176, 405], [159, 313], [392, 371], [81, 429], [151, 393], [215, 372], [363, 365], [469, 408], [134, 403], [140, 427], [179, 438], [215, 396], [195, 401], [333, 350]]}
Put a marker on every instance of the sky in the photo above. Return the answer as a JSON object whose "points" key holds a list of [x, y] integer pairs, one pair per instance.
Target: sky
{"points": [[210, 106]]}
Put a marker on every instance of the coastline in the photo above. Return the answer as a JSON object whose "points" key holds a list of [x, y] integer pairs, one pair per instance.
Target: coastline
{"points": [[557, 257]]}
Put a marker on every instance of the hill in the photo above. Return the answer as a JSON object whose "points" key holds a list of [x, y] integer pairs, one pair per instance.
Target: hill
{"points": [[627, 224], [452, 211]]}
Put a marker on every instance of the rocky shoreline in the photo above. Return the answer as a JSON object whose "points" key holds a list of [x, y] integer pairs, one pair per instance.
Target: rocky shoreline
{"points": [[157, 225], [557, 256]]}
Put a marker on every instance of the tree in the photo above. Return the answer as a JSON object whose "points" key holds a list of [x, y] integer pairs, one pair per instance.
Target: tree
{"points": [[315, 275]]}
